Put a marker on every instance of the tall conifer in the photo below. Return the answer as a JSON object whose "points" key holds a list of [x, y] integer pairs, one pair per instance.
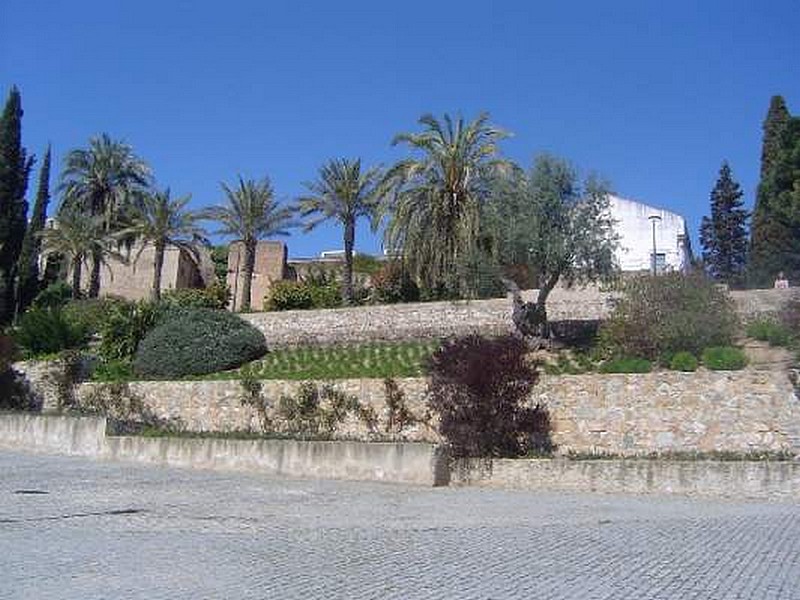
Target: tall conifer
{"points": [[28, 280], [771, 234], [15, 166], [723, 235]]}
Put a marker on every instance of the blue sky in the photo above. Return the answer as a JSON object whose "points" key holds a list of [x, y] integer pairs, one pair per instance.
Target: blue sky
{"points": [[652, 95]]}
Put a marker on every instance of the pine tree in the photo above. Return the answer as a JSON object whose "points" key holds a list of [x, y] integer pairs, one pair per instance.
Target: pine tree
{"points": [[723, 235], [28, 268], [771, 235], [15, 166]]}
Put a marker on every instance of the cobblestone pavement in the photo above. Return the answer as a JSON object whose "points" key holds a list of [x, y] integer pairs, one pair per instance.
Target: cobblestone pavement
{"points": [[76, 529]]}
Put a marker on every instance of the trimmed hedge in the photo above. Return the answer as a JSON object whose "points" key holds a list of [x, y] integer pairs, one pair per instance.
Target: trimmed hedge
{"points": [[197, 342]]}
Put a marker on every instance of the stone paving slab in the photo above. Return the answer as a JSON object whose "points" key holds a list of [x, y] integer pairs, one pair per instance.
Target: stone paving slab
{"points": [[105, 530]]}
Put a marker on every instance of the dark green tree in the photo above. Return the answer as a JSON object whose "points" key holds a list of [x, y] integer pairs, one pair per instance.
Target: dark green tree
{"points": [[774, 126], [28, 264], [771, 235], [15, 165], [723, 235]]}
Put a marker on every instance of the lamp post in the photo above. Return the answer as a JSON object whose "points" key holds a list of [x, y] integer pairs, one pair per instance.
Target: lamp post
{"points": [[654, 219]]}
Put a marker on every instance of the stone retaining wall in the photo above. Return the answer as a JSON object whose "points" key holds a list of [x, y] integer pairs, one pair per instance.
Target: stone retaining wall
{"points": [[428, 320], [423, 320], [621, 414], [219, 406]]}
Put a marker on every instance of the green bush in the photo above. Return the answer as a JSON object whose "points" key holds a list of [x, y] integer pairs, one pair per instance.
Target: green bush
{"points": [[45, 331], [302, 295], [683, 361], [54, 295], [197, 342], [659, 316], [113, 371], [92, 313], [626, 365], [289, 295], [392, 284], [217, 295], [724, 358], [125, 327], [767, 330]]}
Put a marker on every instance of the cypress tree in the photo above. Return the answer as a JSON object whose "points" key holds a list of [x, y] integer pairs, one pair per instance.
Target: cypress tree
{"points": [[773, 127], [28, 268], [771, 235], [723, 235], [15, 166]]}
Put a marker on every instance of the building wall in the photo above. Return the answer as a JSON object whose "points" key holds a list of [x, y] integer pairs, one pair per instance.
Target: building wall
{"points": [[636, 236], [134, 280], [270, 266]]}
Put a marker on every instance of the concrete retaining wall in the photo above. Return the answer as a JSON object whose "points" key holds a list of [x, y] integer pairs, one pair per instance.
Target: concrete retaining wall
{"points": [[84, 436], [392, 462], [776, 480], [399, 462]]}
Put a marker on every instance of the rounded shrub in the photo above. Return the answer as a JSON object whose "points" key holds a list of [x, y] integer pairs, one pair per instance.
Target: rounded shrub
{"points": [[626, 365], [724, 358], [683, 361], [658, 316], [197, 342]]}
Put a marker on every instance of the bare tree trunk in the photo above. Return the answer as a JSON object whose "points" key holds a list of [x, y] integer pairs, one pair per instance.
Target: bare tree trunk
{"points": [[76, 277], [94, 279], [530, 318], [349, 242], [158, 266], [247, 272]]}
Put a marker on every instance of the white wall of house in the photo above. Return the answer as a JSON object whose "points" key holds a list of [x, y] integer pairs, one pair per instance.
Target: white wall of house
{"points": [[635, 232]]}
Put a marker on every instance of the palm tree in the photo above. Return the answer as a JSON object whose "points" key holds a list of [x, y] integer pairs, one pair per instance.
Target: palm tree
{"points": [[163, 221], [251, 213], [434, 215], [77, 237], [103, 180], [343, 192]]}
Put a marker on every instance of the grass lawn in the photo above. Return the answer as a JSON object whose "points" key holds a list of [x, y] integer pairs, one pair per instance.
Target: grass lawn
{"points": [[403, 359]]}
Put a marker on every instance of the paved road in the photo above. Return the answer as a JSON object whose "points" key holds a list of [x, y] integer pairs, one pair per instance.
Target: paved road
{"points": [[116, 531]]}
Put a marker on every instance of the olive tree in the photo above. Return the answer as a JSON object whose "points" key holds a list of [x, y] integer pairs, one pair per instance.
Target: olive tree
{"points": [[556, 226]]}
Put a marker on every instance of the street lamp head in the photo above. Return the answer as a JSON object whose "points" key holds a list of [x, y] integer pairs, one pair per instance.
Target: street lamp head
{"points": [[655, 218]]}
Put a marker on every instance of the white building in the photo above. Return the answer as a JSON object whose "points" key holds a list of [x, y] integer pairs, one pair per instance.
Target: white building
{"points": [[634, 225]]}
